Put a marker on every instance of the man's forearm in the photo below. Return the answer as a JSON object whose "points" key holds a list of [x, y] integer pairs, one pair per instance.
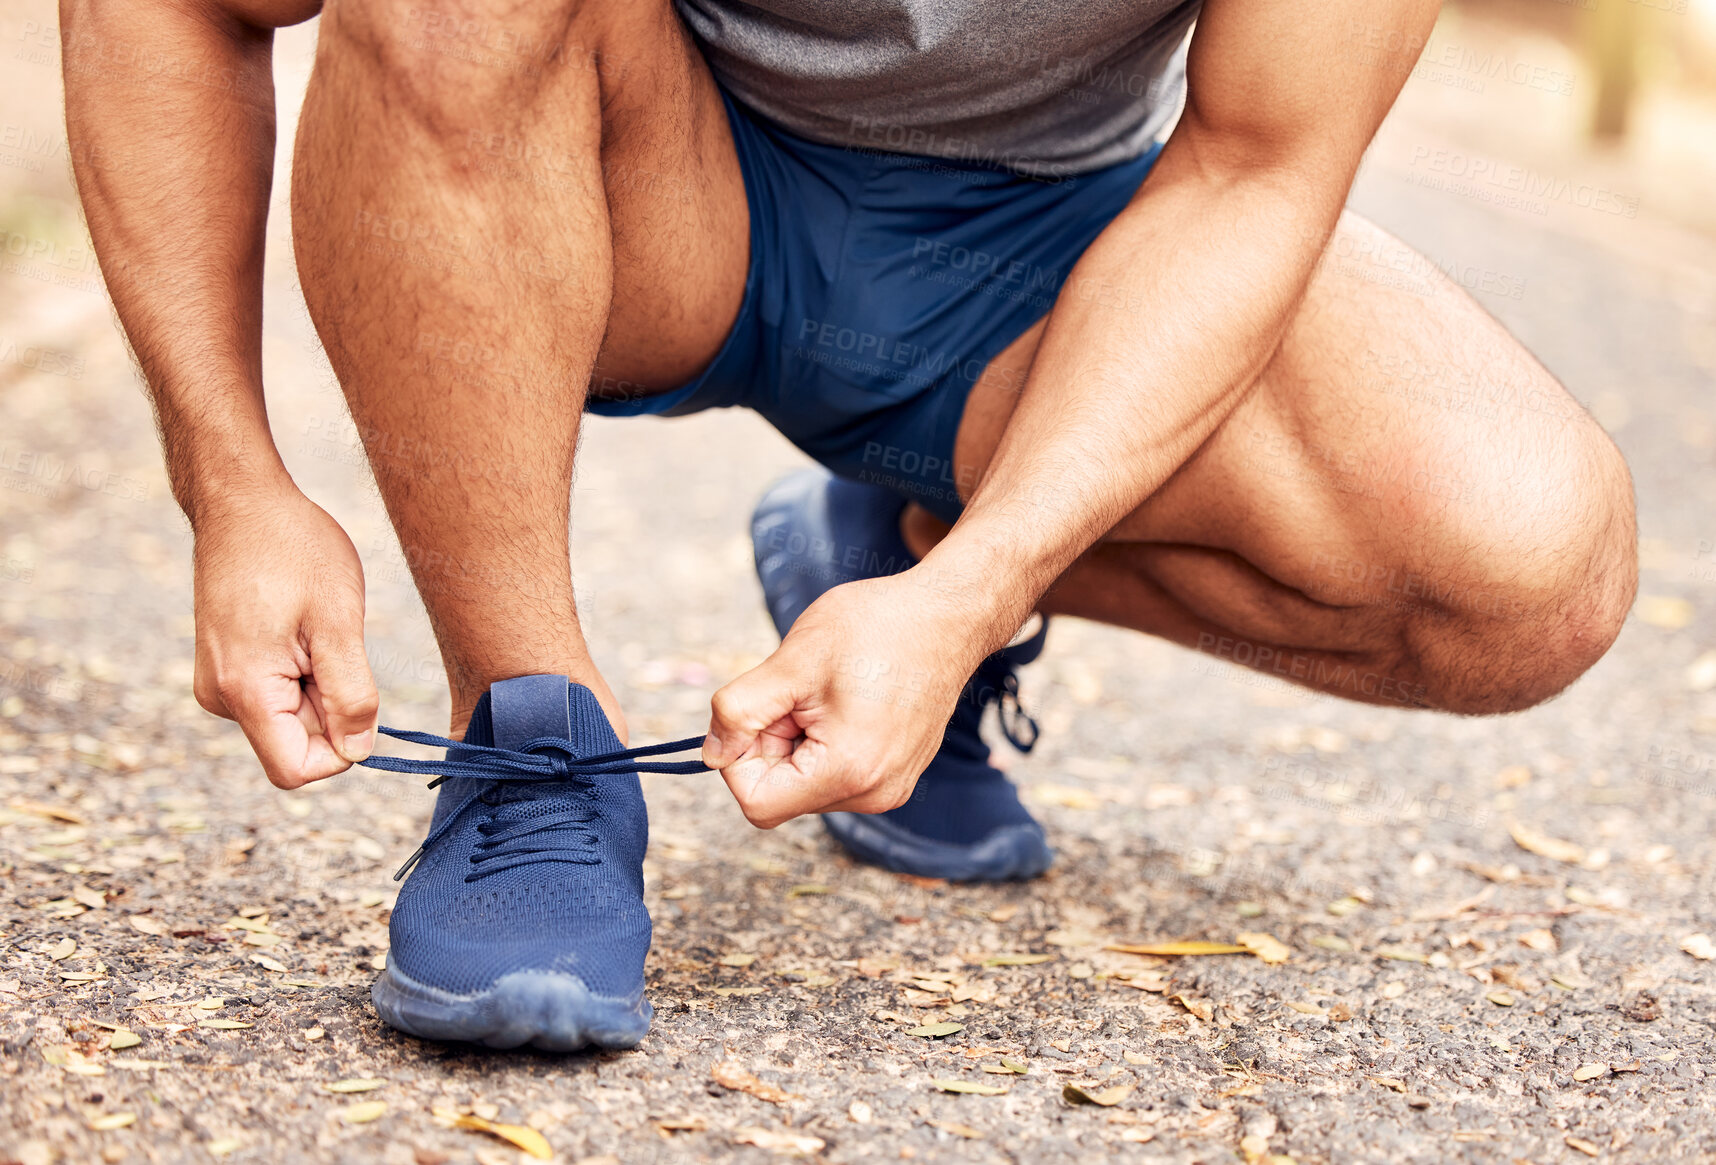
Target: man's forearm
{"points": [[171, 107], [1117, 401]]}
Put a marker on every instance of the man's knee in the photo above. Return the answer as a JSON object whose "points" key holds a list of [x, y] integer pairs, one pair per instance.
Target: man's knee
{"points": [[451, 63], [1523, 623]]}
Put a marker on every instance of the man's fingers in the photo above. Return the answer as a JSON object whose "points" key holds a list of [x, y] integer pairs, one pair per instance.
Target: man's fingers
{"points": [[283, 727], [778, 780], [343, 692], [759, 701]]}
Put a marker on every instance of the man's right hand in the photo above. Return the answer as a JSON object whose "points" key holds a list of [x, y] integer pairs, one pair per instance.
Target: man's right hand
{"points": [[280, 604]]}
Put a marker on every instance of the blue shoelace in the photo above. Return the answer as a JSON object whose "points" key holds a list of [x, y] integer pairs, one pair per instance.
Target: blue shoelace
{"points": [[554, 837]]}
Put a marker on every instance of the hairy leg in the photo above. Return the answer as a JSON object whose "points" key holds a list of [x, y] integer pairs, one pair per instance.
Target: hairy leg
{"points": [[1407, 509], [493, 203]]}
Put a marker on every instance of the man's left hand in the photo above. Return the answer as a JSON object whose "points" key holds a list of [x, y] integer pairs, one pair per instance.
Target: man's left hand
{"points": [[851, 707]]}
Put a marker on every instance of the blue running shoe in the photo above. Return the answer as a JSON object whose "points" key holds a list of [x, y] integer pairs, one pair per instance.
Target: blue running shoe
{"points": [[523, 921], [813, 531]]}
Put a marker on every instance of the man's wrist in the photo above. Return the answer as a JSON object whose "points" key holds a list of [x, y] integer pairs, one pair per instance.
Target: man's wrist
{"points": [[979, 590], [222, 475]]}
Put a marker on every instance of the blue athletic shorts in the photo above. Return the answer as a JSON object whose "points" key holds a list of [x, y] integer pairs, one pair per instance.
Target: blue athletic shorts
{"points": [[880, 285]]}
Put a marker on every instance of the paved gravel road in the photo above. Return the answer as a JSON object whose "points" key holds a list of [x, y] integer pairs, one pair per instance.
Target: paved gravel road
{"points": [[1489, 923]]}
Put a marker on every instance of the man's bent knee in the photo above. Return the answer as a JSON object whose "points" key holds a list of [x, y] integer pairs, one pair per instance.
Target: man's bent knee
{"points": [[1520, 634], [450, 61]]}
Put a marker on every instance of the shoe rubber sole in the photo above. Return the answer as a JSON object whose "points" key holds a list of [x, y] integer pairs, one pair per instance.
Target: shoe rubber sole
{"points": [[545, 1009], [1014, 853]]}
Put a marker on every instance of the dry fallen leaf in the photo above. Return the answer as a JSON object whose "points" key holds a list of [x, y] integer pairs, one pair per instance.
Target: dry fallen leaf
{"points": [[1179, 948], [736, 960], [122, 1039], [1393, 990], [268, 964], [1143, 981], [1399, 954], [1500, 998], [1198, 1007], [1584, 1146], [689, 1124], [1544, 846], [524, 1137], [1539, 940], [361, 1084], [935, 1031], [970, 1086], [1698, 946], [1015, 960], [1307, 1008], [956, 1129], [731, 1074], [1265, 946], [225, 1025], [51, 812], [1586, 1072], [1004, 913], [363, 1112], [785, 1142], [64, 949], [1089, 1094], [146, 925], [113, 1120], [92, 898]]}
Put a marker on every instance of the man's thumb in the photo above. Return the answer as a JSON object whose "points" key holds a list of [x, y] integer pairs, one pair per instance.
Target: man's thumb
{"points": [[346, 694]]}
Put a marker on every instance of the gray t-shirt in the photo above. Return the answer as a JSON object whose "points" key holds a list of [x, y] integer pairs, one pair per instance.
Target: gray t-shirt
{"points": [[1044, 87]]}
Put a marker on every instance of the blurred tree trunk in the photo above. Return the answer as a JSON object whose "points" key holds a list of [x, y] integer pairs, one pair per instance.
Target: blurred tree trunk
{"points": [[1612, 44]]}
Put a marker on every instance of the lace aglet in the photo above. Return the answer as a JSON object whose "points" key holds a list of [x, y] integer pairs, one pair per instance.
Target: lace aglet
{"points": [[409, 862]]}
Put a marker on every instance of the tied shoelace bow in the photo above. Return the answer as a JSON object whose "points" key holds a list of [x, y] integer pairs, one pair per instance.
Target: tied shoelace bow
{"points": [[996, 680], [564, 836]]}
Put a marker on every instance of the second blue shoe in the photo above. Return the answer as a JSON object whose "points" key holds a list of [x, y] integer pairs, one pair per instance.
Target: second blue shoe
{"points": [[523, 920], [813, 531]]}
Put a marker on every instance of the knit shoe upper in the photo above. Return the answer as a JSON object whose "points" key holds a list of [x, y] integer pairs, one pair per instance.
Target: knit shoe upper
{"points": [[523, 919], [813, 531]]}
